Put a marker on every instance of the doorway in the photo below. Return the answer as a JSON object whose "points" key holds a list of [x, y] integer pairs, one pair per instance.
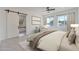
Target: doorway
{"points": [[22, 25]]}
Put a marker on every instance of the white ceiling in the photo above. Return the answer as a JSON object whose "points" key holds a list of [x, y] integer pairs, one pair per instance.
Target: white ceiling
{"points": [[42, 10]]}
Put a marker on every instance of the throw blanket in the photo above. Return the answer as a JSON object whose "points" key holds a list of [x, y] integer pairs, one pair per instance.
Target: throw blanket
{"points": [[35, 40]]}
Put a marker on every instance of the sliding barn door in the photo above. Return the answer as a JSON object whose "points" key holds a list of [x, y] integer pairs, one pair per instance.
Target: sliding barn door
{"points": [[12, 25], [2, 25]]}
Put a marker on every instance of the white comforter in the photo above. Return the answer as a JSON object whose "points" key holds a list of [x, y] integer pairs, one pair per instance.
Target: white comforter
{"points": [[55, 41], [66, 46], [52, 41]]}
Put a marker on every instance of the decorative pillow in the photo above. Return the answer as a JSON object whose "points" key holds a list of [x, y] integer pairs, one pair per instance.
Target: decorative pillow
{"points": [[68, 34], [77, 29], [77, 39], [72, 37], [37, 29]]}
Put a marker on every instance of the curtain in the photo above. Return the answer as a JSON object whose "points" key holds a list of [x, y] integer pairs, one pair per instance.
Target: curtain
{"points": [[12, 24], [71, 20], [45, 20]]}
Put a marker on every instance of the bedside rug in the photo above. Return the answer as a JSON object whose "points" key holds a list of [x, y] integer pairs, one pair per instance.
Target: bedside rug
{"points": [[25, 46]]}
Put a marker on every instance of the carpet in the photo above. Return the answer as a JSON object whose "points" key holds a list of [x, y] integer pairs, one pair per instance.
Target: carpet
{"points": [[25, 45]]}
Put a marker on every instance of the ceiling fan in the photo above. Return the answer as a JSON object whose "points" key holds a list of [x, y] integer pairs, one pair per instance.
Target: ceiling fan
{"points": [[49, 9]]}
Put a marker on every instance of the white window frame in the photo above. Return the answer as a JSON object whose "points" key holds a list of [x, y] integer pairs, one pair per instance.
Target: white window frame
{"points": [[53, 20], [64, 20]]}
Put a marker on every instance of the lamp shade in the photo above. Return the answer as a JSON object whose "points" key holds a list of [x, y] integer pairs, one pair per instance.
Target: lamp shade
{"points": [[74, 25]]}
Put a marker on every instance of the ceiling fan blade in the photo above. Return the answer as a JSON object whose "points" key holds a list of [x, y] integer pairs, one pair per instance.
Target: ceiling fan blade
{"points": [[50, 9], [53, 9]]}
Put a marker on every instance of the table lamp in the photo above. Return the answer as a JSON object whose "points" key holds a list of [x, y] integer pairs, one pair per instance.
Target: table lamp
{"points": [[73, 26]]}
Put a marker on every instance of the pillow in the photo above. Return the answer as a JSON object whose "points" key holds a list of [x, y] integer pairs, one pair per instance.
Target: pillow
{"points": [[77, 39], [37, 29], [77, 29], [72, 37], [68, 34], [47, 29]]}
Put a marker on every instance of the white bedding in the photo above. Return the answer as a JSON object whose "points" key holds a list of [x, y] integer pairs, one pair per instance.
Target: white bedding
{"points": [[55, 41], [51, 42], [65, 46]]}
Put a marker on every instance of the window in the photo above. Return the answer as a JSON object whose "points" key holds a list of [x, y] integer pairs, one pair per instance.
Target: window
{"points": [[62, 20], [50, 21]]}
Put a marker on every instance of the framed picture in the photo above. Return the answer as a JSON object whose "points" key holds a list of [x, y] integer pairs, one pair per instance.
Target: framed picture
{"points": [[36, 20]]}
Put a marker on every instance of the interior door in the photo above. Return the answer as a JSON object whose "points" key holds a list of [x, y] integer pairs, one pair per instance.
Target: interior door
{"points": [[2, 25], [12, 24]]}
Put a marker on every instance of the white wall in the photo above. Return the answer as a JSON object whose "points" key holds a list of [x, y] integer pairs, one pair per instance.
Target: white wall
{"points": [[78, 16], [29, 26]]}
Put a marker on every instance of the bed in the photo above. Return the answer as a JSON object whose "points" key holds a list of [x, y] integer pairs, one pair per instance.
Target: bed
{"points": [[53, 41], [65, 45]]}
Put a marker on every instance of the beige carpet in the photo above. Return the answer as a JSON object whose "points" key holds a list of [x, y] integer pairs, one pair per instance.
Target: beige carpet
{"points": [[15, 44], [25, 45]]}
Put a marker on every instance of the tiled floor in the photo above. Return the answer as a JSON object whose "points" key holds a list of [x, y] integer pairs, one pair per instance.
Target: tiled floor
{"points": [[12, 44]]}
